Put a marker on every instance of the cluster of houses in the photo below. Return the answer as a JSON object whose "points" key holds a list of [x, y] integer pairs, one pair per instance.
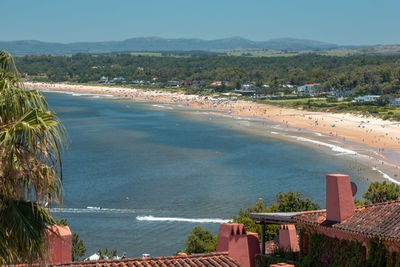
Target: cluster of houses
{"points": [[251, 90]]}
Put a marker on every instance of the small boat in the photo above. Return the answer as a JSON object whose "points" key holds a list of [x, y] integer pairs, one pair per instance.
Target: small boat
{"points": [[93, 208]]}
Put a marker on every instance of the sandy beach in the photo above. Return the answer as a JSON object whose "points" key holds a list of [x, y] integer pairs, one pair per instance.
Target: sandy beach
{"points": [[379, 134]]}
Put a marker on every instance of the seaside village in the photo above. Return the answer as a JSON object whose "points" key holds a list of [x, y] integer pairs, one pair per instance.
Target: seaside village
{"points": [[357, 235], [250, 89], [341, 230], [137, 133]]}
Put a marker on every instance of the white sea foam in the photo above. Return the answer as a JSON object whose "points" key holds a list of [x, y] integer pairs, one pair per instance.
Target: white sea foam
{"points": [[345, 151], [82, 94], [174, 219], [160, 106], [101, 95], [93, 95], [387, 176], [274, 133], [83, 210], [333, 147]]}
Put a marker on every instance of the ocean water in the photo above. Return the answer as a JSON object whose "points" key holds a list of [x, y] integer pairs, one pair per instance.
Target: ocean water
{"points": [[158, 171]]}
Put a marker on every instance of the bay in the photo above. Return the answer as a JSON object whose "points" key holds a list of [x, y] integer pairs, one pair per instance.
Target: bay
{"points": [[157, 171]]}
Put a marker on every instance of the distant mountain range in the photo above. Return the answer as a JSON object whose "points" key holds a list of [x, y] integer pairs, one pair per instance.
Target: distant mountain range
{"points": [[31, 47]]}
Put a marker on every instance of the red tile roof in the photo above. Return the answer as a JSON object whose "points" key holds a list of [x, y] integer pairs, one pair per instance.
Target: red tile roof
{"points": [[375, 220], [197, 260]]}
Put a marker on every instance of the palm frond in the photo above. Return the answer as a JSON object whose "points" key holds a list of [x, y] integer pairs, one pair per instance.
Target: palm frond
{"points": [[31, 140], [25, 232]]}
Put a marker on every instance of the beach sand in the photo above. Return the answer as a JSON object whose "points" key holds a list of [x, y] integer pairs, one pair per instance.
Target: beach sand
{"points": [[382, 135]]}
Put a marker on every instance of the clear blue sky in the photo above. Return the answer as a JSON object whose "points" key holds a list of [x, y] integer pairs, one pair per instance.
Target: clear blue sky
{"points": [[335, 21]]}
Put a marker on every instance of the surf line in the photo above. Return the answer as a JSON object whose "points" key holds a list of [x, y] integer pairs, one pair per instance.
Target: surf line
{"points": [[346, 152], [332, 147], [177, 219], [91, 210]]}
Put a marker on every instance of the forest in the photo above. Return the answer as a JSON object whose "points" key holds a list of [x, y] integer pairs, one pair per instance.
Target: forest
{"points": [[368, 74]]}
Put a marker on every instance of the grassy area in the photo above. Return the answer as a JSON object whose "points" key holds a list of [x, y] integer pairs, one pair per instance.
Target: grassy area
{"points": [[382, 111], [279, 53], [258, 53], [149, 54]]}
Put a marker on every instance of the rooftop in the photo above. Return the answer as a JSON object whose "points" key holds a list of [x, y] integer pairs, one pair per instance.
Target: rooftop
{"points": [[197, 260], [375, 220]]}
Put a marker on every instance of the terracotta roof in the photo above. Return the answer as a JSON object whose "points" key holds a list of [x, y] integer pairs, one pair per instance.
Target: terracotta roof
{"points": [[375, 220], [210, 260]]}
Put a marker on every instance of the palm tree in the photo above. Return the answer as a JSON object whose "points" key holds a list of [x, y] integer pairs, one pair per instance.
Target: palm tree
{"points": [[31, 138]]}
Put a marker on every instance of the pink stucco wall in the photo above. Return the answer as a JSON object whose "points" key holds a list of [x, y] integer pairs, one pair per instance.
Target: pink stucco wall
{"points": [[59, 244], [242, 246], [288, 239]]}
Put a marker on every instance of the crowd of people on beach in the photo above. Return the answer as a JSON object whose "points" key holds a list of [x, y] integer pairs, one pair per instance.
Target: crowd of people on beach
{"points": [[374, 132]]}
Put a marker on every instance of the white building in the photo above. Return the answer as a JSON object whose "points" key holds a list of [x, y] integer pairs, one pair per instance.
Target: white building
{"points": [[247, 86], [307, 88], [395, 101], [103, 79], [366, 98]]}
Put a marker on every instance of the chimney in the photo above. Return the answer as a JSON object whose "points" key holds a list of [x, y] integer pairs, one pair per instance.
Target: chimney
{"points": [[59, 244], [339, 198], [288, 239], [241, 246]]}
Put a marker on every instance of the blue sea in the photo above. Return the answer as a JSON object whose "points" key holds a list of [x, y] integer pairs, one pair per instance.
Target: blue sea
{"points": [[157, 171]]}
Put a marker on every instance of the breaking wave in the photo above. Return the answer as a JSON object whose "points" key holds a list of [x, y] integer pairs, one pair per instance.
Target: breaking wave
{"points": [[93, 95], [161, 106], [387, 176], [173, 219], [89, 210], [333, 147]]}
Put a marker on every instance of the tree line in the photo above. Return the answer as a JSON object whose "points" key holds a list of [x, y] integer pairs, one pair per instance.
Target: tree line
{"points": [[363, 74]]}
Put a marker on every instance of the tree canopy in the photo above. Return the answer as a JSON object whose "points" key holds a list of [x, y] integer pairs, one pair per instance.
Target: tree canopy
{"points": [[382, 192], [200, 241], [363, 74]]}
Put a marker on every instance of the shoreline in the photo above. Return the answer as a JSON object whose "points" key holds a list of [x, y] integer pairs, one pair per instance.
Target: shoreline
{"points": [[351, 133]]}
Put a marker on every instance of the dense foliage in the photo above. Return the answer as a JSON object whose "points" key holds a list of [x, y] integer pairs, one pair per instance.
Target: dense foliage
{"points": [[364, 74], [382, 192], [326, 251], [200, 241], [78, 247]]}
